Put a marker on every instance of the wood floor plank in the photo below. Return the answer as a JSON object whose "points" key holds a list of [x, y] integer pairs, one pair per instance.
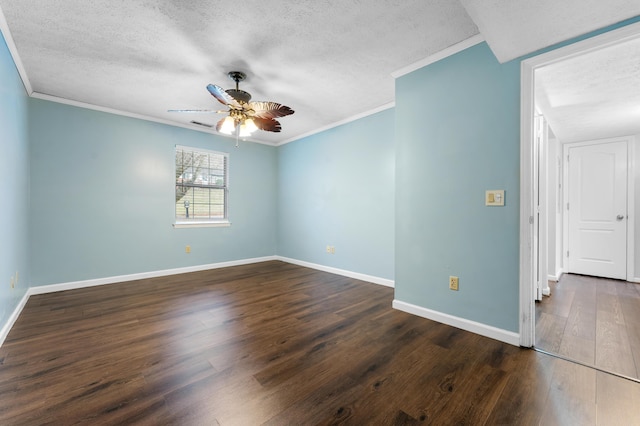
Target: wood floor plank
{"points": [[603, 325], [618, 401], [577, 348], [550, 331], [634, 341], [562, 299], [572, 396], [275, 343], [582, 317], [608, 306], [523, 399], [613, 350], [629, 297]]}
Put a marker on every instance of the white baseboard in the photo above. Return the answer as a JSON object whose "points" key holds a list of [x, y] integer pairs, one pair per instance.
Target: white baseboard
{"points": [[555, 277], [143, 275], [116, 279], [474, 327], [14, 316], [356, 275]]}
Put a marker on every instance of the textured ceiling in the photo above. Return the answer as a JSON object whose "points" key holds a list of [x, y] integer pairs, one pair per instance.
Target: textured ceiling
{"points": [[592, 96], [514, 28], [328, 60]]}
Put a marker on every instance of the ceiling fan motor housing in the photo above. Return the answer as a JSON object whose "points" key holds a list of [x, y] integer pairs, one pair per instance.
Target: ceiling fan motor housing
{"points": [[239, 95]]}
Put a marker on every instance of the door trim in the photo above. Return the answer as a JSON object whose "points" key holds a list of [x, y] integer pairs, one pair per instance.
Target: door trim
{"points": [[630, 141], [631, 209], [527, 184]]}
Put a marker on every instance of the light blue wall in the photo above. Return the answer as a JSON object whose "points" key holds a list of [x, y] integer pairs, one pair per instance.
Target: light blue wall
{"points": [[337, 188], [14, 185], [103, 192], [457, 135]]}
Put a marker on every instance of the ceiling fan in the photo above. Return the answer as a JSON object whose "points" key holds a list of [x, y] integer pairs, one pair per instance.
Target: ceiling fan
{"points": [[244, 116]]}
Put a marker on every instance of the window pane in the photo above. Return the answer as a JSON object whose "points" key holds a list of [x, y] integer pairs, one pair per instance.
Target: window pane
{"points": [[200, 211], [200, 195], [217, 211], [200, 190], [217, 196]]}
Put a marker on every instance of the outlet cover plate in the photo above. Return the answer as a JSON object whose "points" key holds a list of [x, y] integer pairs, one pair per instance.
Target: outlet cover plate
{"points": [[494, 197]]}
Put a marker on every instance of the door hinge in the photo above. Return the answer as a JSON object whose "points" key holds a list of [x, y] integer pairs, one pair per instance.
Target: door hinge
{"points": [[567, 253]]}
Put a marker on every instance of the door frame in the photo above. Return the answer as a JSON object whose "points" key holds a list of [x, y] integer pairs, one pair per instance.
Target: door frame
{"points": [[528, 187], [541, 130], [630, 142]]}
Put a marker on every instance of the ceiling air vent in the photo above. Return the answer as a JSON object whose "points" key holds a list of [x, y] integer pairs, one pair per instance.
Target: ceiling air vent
{"points": [[201, 124]]}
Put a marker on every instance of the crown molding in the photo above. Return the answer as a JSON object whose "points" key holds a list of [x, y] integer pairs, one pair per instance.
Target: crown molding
{"points": [[451, 50], [84, 105], [339, 123]]}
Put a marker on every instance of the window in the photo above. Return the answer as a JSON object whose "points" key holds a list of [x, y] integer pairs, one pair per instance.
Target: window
{"points": [[201, 187]]}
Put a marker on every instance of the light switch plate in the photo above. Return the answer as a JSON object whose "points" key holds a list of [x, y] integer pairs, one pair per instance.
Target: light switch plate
{"points": [[494, 197]]}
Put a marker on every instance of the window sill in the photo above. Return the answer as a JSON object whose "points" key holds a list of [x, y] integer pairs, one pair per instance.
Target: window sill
{"points": [[219, 224]]}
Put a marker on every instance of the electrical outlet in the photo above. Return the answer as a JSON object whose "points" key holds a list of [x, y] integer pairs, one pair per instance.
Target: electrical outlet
{"points": [[13, 284], [329, 249], [333, 250], [187, 249], [453, 283]]}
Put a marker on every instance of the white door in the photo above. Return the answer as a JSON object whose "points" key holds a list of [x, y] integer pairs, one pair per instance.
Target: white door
{"points": [[597, 210]]}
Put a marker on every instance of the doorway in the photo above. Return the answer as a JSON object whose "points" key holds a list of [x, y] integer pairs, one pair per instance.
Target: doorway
{"points": [[529, 221], [592, 315]]}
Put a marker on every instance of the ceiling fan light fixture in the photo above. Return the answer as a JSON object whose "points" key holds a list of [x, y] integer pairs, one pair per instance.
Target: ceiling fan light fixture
{"points": [[244, 130], [250, 125], [228, 126]]}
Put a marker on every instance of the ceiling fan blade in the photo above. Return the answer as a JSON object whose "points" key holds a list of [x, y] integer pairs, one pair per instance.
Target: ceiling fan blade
{"points": [[270, 109], [198, 111], [267, 124], [222, 96]]}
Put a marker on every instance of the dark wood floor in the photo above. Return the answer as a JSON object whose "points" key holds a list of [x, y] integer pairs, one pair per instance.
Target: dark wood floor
{"points": [[278, 344], [595, 321]]}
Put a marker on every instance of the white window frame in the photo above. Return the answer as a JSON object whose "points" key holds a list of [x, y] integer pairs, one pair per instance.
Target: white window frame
{"points": [[199, 223]]}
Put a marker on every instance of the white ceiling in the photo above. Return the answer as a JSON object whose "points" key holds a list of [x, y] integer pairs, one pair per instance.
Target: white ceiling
{"points": [[328, 60], [592, 96], [515, 28]]}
